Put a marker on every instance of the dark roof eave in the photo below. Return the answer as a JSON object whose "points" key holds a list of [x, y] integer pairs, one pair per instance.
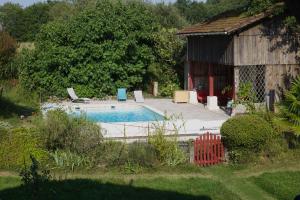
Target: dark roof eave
{"points": [[203, 34]]}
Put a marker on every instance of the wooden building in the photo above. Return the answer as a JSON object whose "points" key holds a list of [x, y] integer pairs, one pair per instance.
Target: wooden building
{"points": [[231, 50]]}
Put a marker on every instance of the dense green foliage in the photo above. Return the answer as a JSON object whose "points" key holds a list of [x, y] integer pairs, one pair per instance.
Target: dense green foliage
{"points": [[291, 105], [103, 48], [16, 146], [23, 24], [290, 108], [247, 136], [11, 19], [249, 131]]}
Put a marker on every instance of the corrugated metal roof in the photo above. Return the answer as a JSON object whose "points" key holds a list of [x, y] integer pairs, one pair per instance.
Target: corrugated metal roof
{"points": [[222, 26]]}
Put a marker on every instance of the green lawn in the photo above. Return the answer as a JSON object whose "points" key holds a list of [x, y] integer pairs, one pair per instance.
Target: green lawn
{"points": [[152, 189], [282, 185], [220, 182]]}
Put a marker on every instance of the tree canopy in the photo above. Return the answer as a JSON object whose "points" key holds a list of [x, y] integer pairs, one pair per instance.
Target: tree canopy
{"points": [[23, 24], [103, 48]]}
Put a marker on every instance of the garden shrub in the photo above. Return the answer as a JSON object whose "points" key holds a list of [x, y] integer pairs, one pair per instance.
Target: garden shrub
{"points": [[65, 132], [246, 134], [247, 131], [167, 89], [167, 149], [16, 146]]}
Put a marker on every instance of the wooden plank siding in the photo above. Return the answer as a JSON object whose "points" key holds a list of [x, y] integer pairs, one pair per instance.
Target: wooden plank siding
{"points": [[211, 49], [278, 77], [264, 44]]}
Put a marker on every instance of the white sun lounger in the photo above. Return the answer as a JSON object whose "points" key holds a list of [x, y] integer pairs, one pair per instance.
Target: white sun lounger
{"points": [[75, 98], [138, 96]]}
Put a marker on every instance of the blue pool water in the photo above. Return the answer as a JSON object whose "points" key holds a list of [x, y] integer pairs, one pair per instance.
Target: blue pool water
{"points": [[120, 114]]}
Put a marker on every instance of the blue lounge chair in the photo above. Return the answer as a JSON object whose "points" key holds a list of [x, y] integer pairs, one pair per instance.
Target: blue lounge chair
{"points": [[122, 94]]}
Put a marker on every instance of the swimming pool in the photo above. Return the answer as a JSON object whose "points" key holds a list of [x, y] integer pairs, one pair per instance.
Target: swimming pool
{"points": [[118, 113]]}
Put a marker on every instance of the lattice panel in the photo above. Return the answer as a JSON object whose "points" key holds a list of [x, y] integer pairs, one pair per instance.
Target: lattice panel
{"points": [[254, 74]]}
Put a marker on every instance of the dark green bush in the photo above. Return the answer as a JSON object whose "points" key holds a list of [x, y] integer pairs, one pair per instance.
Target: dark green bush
{"points": [[249, 132], [77, 134], [248, 136], [16, 146]]}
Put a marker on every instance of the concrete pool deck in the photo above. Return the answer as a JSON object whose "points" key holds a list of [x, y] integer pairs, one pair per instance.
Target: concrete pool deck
{"points": [[188, 120]]}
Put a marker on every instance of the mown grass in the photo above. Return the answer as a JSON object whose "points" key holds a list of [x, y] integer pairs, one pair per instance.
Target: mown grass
{"points": [[159, 188], [282, 185], [217, 182], [9, 182]]}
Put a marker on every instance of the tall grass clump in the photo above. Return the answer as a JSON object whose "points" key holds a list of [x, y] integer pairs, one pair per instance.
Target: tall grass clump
{"points": [[61, 131], [166, 148], [69, 140]]}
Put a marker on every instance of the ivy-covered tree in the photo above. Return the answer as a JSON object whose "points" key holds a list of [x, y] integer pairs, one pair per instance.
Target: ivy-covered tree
{"points": [[101, 49]]}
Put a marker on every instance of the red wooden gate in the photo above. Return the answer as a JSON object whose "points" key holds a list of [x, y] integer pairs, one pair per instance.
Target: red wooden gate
{"points": [[208, 149]]}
